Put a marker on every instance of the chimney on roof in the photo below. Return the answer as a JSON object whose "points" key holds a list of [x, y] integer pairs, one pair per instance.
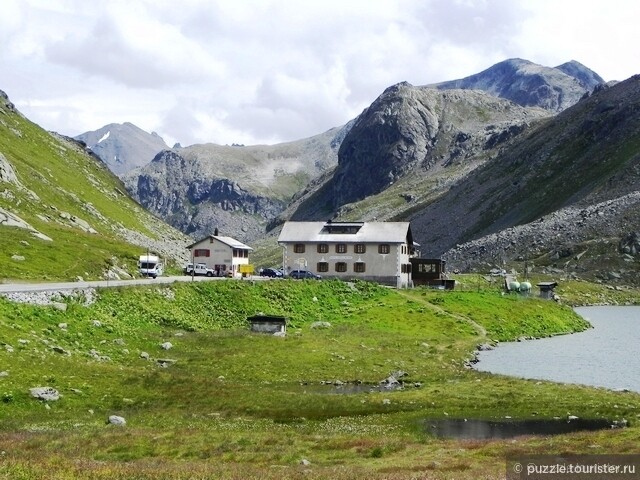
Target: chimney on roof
{"points": [[215, 232]]}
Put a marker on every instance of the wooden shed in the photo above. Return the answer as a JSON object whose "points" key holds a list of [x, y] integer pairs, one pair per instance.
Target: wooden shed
{"points": [[430, 272], [268, 324], [546, 289]]}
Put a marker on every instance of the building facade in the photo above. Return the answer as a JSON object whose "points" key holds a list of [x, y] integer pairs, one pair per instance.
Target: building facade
{"points": [[373, 251], [225, 255]]}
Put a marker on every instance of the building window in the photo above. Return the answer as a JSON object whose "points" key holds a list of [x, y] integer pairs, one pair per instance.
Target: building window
{"points": [[341, 267], [240, 253], [341, 248], [342, 227], [359, 267], [427, 268], [323, 248], [405, 268], [384, 248], [359, 248], [298, 248], [201, 252], [322, 267]]}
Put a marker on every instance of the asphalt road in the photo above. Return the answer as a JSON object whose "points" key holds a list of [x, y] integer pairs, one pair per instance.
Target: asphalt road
{"points": [[42, 287]]}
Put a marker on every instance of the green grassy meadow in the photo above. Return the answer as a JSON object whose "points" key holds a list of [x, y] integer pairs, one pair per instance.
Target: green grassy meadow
{"points": [[227, 403]]}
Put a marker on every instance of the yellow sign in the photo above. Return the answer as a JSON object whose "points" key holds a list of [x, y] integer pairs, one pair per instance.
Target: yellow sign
{"points": [[246, 268]]}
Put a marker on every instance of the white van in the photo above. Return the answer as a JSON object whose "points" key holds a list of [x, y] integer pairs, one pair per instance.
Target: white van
{"points": [[150, 266]]}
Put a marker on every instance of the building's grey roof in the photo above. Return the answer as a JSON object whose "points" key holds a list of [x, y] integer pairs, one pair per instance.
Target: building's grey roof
{"points": [[231, 242], [369, 232]]}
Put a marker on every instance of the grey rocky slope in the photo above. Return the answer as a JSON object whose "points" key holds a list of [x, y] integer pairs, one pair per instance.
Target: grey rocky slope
{"points": [[419, 136], [600, 241], [573, 180], [123, 147], [236, 189], [529, 84]]}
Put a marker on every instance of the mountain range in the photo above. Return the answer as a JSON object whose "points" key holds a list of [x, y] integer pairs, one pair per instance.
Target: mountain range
{"points": [[520, 163], [245, 190]]}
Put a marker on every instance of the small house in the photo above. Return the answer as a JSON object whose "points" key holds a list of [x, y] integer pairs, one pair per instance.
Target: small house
{"points": [[546, 289], [430, 272], [268, 324], [225, 255]]}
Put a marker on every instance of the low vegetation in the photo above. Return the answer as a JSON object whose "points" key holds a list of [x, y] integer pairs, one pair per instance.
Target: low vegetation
{"points": [[226, 403]]}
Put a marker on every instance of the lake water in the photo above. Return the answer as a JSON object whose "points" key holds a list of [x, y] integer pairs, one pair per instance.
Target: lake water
{"points": [[607, 355]]}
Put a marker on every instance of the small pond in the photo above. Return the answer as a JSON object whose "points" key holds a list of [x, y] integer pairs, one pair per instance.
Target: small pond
{"points": [[349, 388], [463, 429]]}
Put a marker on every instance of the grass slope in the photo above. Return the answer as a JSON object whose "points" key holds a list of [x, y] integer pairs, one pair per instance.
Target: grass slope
{"points": [[242, 405], [57, 182]]}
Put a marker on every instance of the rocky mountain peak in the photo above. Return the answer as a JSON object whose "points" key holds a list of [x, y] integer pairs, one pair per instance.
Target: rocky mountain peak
{"points": [[587, 77], [411, 128], [529, 84], [123, 147], [6, 102], [396, 87]]}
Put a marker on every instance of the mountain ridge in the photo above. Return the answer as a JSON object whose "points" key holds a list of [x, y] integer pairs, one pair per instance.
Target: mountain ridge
{"points": [[529, 84], [123, 146], [236, 189], [247, 173]]}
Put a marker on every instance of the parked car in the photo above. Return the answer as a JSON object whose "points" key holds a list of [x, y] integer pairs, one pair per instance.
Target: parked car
{"points": [[271, 272], [200, 269], [302, 274]]}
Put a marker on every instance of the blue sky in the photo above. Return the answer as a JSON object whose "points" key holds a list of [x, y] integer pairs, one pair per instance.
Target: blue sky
{"points": [[268, 71]]}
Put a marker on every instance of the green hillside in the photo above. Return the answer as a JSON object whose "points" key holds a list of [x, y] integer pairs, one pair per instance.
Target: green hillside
{"points": [[75, 218], [226, 403]]}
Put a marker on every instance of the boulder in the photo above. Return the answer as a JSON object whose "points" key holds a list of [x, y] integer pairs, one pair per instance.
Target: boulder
{"points": [[320, 325], [116, 420], [47, 394]]}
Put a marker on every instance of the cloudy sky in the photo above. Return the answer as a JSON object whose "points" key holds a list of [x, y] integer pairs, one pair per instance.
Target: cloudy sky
{"points": [[267, 71]]}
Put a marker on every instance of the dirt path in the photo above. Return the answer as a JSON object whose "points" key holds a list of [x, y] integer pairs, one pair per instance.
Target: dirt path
{"points": [[481, 331]]}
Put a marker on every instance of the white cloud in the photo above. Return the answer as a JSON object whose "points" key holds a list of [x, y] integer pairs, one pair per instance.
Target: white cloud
{"points": [[600, 34], [264, 71]]}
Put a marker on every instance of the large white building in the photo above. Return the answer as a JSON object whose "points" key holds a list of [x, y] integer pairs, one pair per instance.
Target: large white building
{"points": [[374, 251], [223, 254]]}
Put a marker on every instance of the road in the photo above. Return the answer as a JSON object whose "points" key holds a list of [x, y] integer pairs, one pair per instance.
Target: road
{"points": [[43, 287]]}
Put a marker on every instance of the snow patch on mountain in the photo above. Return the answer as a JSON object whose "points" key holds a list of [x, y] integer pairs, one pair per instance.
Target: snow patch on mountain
{"points": [[104, 137]]}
